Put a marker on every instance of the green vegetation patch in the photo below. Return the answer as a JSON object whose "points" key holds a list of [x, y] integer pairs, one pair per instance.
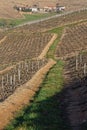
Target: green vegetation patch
{"points": [[51, 52], [27, 18]]}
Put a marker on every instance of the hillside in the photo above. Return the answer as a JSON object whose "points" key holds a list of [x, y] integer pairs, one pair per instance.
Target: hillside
{"points": [[43, 72], [7, 11]]}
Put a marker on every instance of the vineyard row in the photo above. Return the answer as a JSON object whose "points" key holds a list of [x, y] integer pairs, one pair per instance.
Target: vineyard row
{"points": [[20, 47], [18, 75], [74, 39], [75, 94]]}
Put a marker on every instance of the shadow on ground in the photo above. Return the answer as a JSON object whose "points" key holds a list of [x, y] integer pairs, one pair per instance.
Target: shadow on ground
{"points": [[41, 115]]}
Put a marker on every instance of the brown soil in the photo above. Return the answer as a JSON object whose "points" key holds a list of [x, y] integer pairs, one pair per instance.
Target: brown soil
{"points": [[7, 69], [74, 94], [22, 96], [68, 46], [42, 55], [3, 39]]}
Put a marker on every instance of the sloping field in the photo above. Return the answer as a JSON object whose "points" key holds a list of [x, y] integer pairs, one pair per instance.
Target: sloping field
{"points": [[74, 97], [19, 57], [51, 23], [22, 96], [73, 40], [25, 42], [22, 46], [7, 11]]}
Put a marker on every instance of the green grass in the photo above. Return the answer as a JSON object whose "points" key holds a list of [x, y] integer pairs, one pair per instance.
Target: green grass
{"points": [[27, 18], [51, 52], [33, 17], [44, 112]]}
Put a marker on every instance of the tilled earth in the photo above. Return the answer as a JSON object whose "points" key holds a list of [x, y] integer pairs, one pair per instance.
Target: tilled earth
{"points": [[74, 95]]}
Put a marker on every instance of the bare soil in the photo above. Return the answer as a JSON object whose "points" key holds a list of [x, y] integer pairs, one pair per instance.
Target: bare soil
{"points": [[42, 55], [73, 40], [2, 40], [74, 94]]}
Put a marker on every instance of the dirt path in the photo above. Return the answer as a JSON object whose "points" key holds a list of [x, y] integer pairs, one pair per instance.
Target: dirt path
{"points": [[74, 96], [22, 96], [3, 39], [45, 50], [7, 69]]}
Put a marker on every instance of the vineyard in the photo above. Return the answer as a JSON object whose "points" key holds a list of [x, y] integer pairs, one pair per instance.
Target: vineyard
{"points": [[19, 61], [73, 40], [55, 22], [18, 75], [75, 93], [17, 50], [20, 47]]}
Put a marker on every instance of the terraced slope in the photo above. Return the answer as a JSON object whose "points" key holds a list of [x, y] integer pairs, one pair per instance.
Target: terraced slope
{"points": [[19, 47], [73, 40], [18, 75], [51, 23]]}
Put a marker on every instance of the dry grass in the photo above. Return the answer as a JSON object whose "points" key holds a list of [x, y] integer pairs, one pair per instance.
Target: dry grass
{"points": [[7, 11]]}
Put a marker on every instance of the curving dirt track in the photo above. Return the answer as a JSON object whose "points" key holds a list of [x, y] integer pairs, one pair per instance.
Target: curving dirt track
{"points": [[43, 54]]}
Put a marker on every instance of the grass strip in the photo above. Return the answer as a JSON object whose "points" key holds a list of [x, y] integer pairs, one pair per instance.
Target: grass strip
{"points": [[51, 52]]}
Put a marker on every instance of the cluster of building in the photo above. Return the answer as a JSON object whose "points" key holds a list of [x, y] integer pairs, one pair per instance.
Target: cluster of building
{"points": [[36, 8]]}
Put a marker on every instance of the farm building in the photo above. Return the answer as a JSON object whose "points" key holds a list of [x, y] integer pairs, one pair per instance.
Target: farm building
{"points": [[61, 8], [49, 8], [34, 9]]}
